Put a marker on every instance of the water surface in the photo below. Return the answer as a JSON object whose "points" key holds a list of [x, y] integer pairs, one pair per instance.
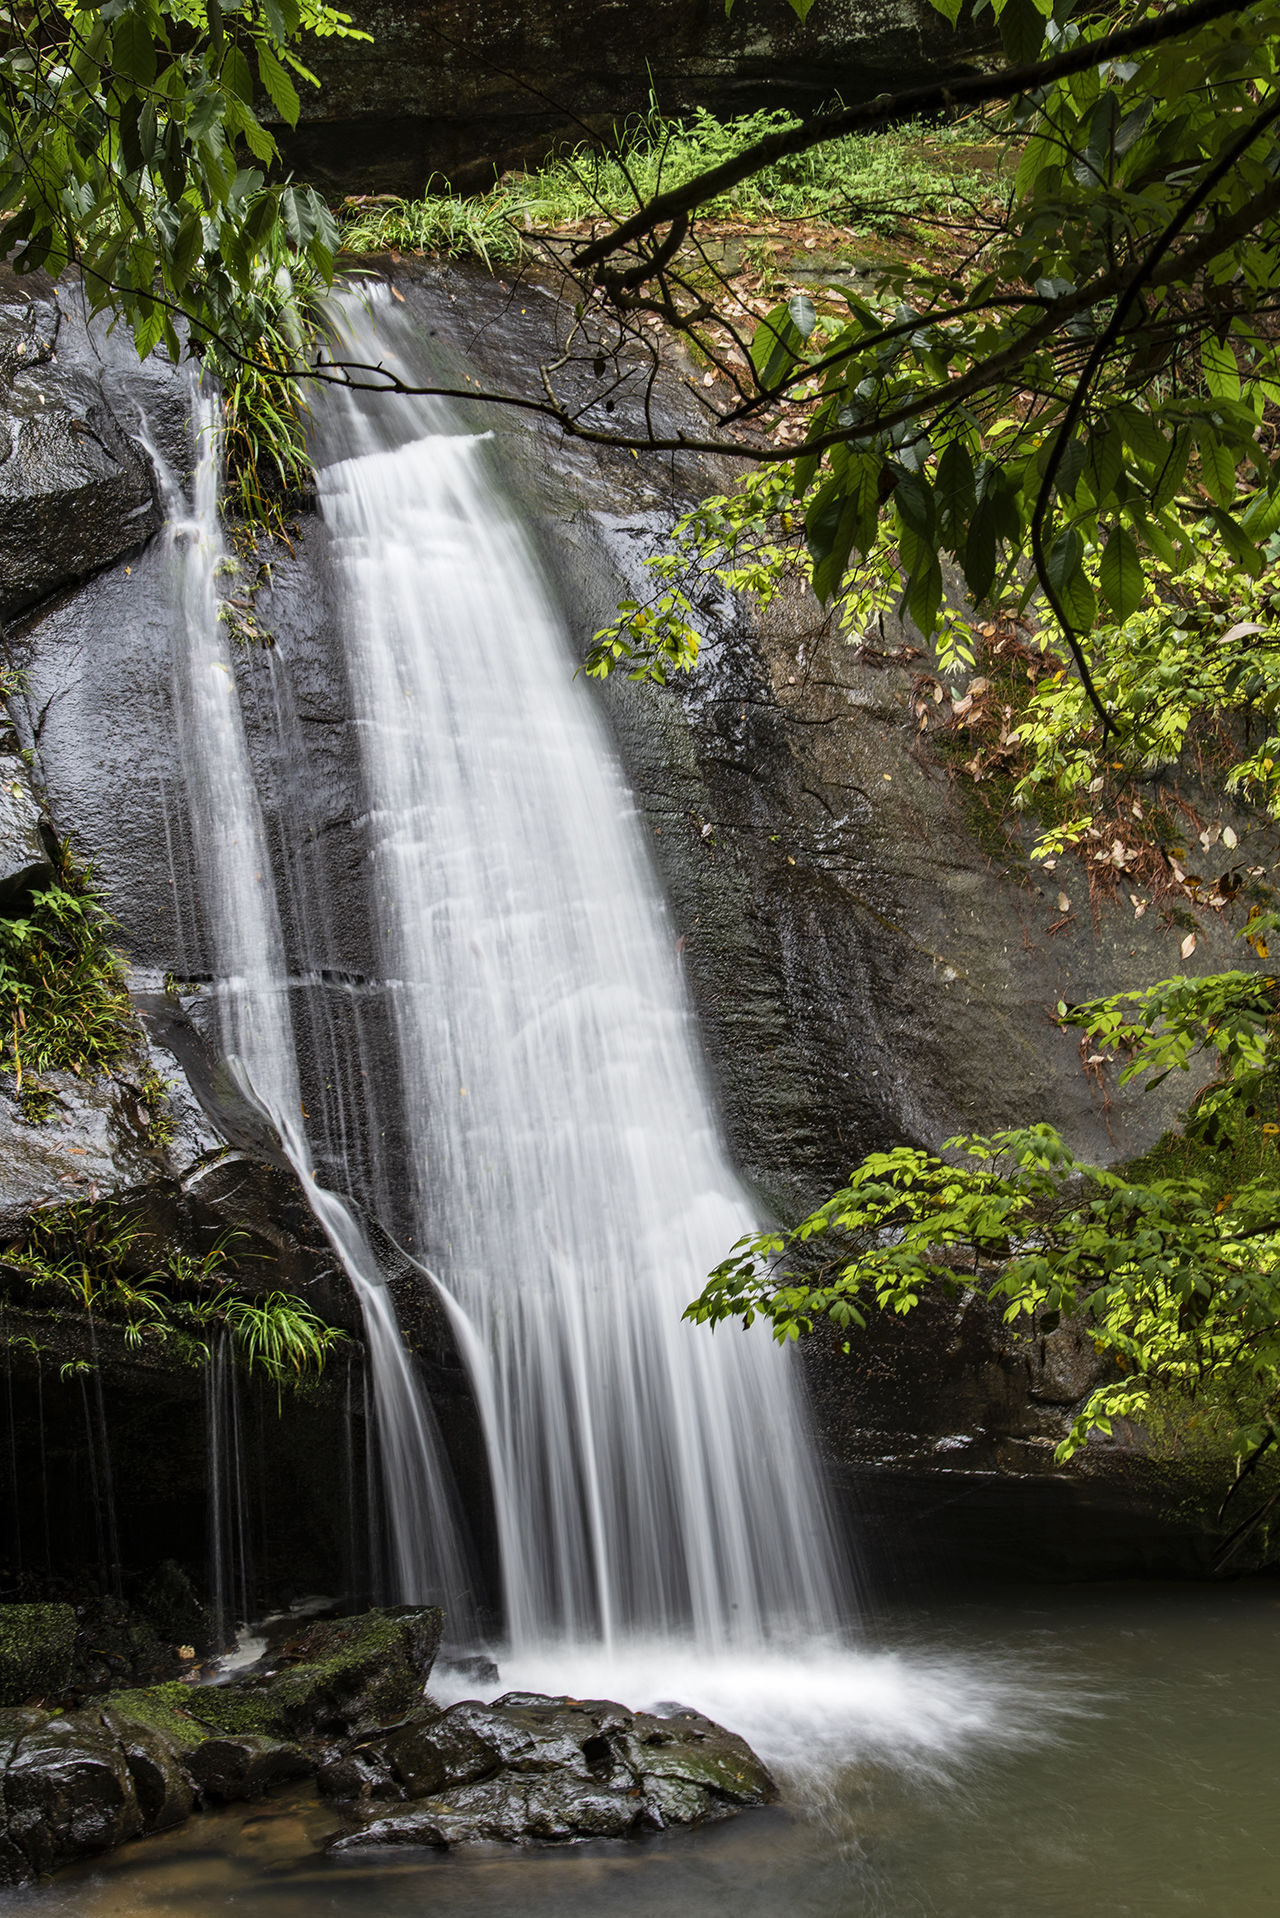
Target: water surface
{"points": [[1054, 1754]]}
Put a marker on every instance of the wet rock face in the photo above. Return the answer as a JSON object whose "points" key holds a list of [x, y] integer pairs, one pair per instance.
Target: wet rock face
{"points": [[537, 1770], [85, 1781], [164, 1787], [865, 968], [68, 1792], [245, 1765], [343, 1675], [75, 488], [463, 93], [24, 835], [528, 1769]]}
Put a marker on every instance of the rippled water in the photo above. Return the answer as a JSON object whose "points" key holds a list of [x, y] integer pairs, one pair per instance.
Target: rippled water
{"points": [[1047, 1755]]}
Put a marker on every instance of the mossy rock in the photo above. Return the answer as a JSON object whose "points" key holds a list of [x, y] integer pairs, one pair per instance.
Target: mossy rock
{"points": [[165, 1709], [348, 1673], [36, 1647]]}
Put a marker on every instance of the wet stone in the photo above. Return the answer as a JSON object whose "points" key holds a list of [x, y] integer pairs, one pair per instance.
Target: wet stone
{"points": [[69, 1792], [356, 1775], [537, 1770], [161, 1782], [245, 1766], [431, 1753]]}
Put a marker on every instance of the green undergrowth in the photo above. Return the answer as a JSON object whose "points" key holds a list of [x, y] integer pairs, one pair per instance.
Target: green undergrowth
{"points": [[864, 185], [267, 467], [1236, 1148], [63, 999], [36, 1647], [1237, 1145], [64, 1003], [104, 1261], [868, 183]]}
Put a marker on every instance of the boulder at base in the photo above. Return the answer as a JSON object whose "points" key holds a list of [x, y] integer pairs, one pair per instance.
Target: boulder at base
{"points": [[82, 1782], [537, 1770]]}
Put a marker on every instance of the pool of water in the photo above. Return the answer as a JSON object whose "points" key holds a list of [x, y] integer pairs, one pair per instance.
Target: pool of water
{"points": [[1053, 1754]]}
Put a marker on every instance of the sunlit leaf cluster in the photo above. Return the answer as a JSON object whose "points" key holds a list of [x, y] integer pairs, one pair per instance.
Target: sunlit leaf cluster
{"points": [[136, 142]]}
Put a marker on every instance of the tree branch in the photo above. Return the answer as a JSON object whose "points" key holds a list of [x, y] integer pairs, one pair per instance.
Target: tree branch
{"points": [[892, 109], [1102, 346]]}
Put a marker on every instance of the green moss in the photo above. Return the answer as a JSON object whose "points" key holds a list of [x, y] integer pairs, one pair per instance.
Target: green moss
{"points": [[36, 1645], [164, 1709], [371, 1668], [160, 1124]]}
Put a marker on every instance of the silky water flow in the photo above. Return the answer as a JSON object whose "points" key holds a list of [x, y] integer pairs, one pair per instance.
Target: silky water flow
{"points": [[241, 916], [571, 1190], [662, 1527]]}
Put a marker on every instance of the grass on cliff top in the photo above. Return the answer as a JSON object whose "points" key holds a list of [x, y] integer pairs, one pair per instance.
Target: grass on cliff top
{"points": [[865, 184]]}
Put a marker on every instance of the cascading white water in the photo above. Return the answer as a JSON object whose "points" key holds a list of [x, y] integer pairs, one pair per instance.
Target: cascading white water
{"points": [[571, 1190], [237, 891]]}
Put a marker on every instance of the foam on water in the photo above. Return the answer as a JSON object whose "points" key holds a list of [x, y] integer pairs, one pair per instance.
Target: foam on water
{"points": [[812, 1712]]}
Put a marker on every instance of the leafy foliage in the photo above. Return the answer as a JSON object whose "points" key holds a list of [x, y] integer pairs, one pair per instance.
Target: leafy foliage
{"points": [[266, 461], [121, 132], [735, 542], [868, 183], [1176, 1280], [97, 1258], [1091, 387], [1205, 646], [62, 991]]}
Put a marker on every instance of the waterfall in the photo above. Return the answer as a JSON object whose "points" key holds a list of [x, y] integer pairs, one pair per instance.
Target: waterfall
{"points": [[230, 1556], [569, 1186], [241, 914]]}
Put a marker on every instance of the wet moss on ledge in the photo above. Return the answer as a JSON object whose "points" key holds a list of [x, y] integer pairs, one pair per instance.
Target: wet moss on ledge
{"points": [[37, 1643]]}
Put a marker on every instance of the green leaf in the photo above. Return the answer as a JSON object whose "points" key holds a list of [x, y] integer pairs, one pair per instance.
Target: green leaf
{"points": [[842, 515], [956, 494], [1141, 434], [1043, 149], [278, 85], [1171, 474], [924, 589], [237, 76], [1120, 574], [1104, 462], [1022, 30], [207, 106], [803, 313], [133, 50], [1217, 467], [1064, 565], [186, 249], [1221, 374]]}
